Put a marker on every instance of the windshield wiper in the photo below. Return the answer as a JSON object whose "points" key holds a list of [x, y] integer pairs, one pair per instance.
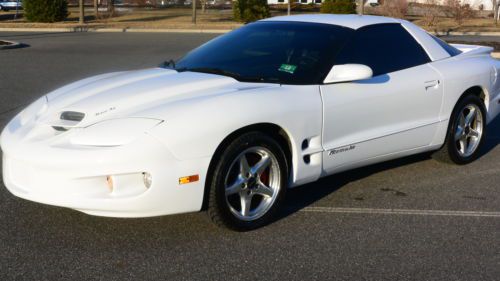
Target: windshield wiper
{"points": [[211, 71], [168, 64], [231, 74]]}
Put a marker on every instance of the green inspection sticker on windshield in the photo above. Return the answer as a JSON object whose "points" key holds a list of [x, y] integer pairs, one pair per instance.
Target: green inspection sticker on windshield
{"points": [[288, 68]]}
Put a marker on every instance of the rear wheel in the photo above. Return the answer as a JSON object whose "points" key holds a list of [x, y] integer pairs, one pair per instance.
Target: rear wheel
{"points": [[466, 132], [248, 183]]}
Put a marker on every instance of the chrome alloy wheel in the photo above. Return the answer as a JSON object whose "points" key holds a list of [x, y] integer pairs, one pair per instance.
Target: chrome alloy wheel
{"points": [[469, 130], [252, 183]]}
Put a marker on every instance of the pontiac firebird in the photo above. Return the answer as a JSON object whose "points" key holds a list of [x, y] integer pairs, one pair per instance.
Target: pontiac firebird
{"points": [[231, 125]]}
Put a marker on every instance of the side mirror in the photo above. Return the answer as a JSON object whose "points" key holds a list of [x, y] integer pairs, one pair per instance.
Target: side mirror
{"points": [[347, 73]]}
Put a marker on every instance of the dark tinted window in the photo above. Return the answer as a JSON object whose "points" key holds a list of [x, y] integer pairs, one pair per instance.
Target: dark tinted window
{"points": [[448, 48], [276, 52], [383, 47]]}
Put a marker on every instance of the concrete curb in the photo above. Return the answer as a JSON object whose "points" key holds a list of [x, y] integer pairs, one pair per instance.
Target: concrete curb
{"points": [[13, 45], [21, 29], [469, 33], [115, 30], [179, 30]]}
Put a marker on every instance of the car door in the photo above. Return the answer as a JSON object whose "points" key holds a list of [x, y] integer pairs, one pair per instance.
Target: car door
{"points": [[394, 111]]}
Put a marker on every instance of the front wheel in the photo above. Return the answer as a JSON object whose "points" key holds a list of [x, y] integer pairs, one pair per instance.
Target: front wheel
{"points": [[248, 183], [466, 132]]}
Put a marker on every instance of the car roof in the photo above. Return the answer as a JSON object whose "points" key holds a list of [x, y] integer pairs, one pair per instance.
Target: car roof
{"points": [[350, 21]]}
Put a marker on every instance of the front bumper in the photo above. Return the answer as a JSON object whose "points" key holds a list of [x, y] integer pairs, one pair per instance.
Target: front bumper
{"points": [[78, 177]]}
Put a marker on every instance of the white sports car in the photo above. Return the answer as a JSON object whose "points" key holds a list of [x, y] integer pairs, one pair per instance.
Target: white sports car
{"points": [[234, 123]]}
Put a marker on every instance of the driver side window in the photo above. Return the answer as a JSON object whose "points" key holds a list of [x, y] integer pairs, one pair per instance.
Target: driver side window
{"points": [[383, 47]]}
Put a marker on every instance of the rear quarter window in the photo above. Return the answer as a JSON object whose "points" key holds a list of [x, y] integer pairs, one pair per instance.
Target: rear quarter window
{"points": [[384, 48]]}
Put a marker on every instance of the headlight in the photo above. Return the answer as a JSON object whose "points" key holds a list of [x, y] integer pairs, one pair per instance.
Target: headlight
{"points": [[114, 132], [34, 110]]}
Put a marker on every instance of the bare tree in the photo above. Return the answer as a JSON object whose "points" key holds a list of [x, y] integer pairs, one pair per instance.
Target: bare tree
{"points": [[203, 5], [394, 8], [81, 4], [111, 7], [193, 17], [458, 10], [96, 9], [495, 10], [432, 11], [361, 7]]}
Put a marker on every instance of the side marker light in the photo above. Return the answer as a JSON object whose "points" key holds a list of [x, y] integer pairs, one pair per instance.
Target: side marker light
{"points": [[189, 179]]}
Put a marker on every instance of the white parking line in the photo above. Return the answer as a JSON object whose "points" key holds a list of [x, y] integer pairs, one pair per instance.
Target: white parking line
{"points": [[401, 212]]}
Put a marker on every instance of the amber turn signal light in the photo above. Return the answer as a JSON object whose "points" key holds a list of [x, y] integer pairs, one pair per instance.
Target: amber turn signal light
{"points": [[189, 179]]}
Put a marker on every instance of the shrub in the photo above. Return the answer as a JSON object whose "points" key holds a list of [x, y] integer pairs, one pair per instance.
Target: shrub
{"points": [[250, 10], [338, 7], [45, 10]]}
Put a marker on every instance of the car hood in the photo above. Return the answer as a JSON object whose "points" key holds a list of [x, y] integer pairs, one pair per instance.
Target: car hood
{"points": [[130, 94]]}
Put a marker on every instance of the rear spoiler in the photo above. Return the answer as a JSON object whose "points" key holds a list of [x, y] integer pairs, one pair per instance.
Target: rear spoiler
{"points": [[473, 50]]}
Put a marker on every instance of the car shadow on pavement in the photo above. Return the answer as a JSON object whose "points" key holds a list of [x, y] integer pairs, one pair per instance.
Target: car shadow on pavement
{"points": [[493, 137], [151, 19], [303, 196]]}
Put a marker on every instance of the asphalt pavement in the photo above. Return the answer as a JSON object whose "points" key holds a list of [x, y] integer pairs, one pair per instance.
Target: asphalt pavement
{"points": [[409, 219]]}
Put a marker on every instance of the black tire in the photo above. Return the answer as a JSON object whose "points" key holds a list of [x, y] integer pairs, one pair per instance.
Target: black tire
{"points": [[219, 209], [449, 152]]}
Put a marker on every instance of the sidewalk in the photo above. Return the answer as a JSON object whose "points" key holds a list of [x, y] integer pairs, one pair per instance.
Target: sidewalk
{"points": [[97, 29]]}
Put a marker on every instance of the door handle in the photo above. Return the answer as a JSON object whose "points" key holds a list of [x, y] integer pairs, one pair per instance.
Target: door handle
{"points": [[431, 84]]}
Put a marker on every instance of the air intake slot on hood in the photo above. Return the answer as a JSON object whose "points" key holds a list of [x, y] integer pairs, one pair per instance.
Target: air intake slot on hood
{"points": [[66, 120], [72, 116]]}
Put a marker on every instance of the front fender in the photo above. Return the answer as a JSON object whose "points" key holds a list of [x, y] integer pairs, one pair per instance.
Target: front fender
{"points": [[195, 128]]}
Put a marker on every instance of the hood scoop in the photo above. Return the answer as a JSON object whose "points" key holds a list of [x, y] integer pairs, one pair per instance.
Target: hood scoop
{"points": [[72, 116], [142, 93], [67, 120]]}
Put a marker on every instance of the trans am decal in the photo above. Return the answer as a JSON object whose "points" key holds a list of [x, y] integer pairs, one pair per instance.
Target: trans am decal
{"points": [[341, 149]]}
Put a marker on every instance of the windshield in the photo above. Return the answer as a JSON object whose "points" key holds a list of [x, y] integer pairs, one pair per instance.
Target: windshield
{"points": [[275, 52]]}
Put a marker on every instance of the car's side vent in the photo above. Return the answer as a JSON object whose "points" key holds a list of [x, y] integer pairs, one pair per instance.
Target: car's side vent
{"points": [[60, 129], [72, 116]]}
